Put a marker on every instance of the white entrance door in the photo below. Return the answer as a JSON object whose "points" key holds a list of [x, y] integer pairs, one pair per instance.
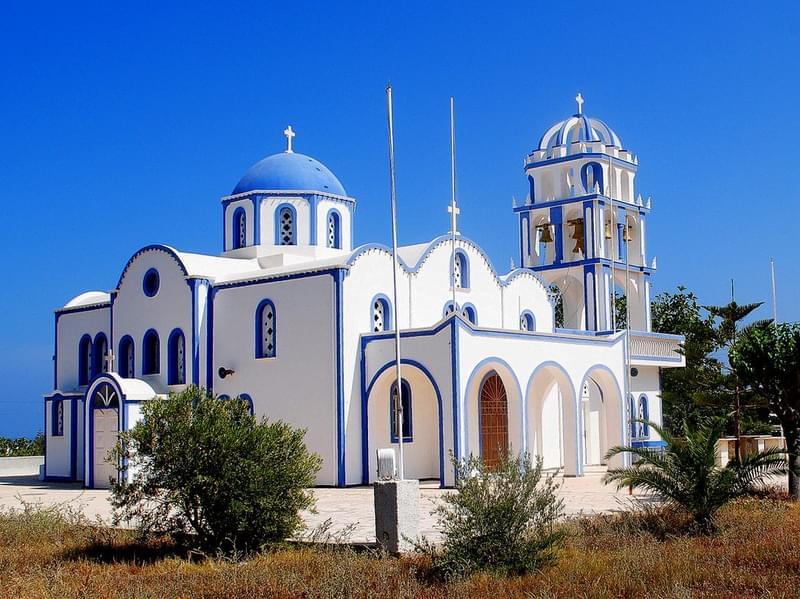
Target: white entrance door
{"points": [[105, 437]]}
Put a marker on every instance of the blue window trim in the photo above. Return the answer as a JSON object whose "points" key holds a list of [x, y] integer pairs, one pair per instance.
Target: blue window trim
{"points": [[98, 357], [447, 308], [224, 397], [408, 422], [151, 290], [460, 255], [54, 430], [172, 357], [530, 319], [337, 229], [597, 171], [249, 400], [387, 312], [146, 357], [126, 345], [278, 211], [644, 428], [631, 416], [470, 312], [239, 213], [84, 360], [259, 345]]}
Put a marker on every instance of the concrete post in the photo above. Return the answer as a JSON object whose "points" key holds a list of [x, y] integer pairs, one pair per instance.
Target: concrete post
{"points": [[396, 514]]}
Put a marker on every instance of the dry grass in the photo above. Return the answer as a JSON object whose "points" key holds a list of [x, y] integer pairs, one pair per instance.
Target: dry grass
{"points": [[756, 553]]}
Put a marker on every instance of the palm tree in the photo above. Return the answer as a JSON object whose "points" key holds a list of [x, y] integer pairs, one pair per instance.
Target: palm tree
{"points": [[686, 474]]}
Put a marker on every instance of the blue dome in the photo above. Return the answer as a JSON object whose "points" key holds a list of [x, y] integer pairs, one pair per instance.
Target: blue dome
{"points": [[292, 172], [578, 128]]}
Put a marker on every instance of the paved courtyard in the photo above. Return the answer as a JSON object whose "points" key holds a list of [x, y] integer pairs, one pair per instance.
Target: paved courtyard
{"points": [[349, 508]]}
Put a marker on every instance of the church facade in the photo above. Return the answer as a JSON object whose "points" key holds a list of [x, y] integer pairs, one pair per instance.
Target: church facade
{"points": [[300, 324]]}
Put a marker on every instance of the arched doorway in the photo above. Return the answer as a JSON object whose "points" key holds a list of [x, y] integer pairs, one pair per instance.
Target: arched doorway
{"points": [[493, 420], [105, 419]]}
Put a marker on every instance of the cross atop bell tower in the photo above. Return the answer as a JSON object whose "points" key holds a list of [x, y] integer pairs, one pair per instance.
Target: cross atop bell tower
{"points": [[579, 100], [289, 135]]}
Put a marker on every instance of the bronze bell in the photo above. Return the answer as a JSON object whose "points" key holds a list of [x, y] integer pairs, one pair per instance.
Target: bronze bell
{"points": [[607, 230], [626, 234], [577, 234], [546, 234]]}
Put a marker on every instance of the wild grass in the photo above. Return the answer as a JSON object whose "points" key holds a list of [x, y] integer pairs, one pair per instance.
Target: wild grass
{"points": [[54, 552]]}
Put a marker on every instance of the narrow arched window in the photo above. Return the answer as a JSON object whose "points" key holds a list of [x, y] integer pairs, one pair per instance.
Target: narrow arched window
{"points": [[266, 337], [151, 353], [286, 234], [249, 401], [592, 177], [85, 360], [470, 313], [57, 418], [239, 231], [526, 321], [176, 358], [633, 429], [100, 355], [381, 315], [127, 358], [449, 308], [334, 230], [643, 415], [405, 402], [460, 270]]}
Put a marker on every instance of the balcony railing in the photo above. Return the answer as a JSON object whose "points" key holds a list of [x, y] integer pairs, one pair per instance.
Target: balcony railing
{"points": [[657, 349]]}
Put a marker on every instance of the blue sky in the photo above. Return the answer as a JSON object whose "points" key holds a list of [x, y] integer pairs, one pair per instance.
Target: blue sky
{"points": [[124, 125]]}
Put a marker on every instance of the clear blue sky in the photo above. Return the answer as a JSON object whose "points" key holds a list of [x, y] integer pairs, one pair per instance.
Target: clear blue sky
{"points": [[123, 126]]}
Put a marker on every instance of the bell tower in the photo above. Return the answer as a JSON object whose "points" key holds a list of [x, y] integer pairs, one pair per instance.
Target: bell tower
{"points": [[582, 226]]}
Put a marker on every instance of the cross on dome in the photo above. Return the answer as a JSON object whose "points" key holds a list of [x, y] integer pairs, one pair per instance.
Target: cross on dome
{"points": [[579, 99], [289, 135]]}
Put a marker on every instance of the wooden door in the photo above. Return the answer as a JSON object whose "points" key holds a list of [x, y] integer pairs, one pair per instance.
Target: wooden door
{"points": [[105, 437], [494, 420]]}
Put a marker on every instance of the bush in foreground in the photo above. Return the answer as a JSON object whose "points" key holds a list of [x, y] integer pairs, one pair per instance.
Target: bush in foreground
{"points": [[686, 474], [499, 520], [205, 471]]}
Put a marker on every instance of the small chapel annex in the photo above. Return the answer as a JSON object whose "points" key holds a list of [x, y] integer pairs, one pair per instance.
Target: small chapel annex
{"points": [[296, 321]]}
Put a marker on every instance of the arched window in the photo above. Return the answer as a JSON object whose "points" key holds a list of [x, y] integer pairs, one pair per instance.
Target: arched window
{"points": [[592, 177], [265, 330], [127, 358], [631, 417], [286, 227], [526, 321], [460, 269], [249, 401], [448, 309], [406, 404], [643, 414], [57, 418], [151, 353], [85, 360], [470, 313], [239, 231], [100, 355], [176, 358], [532, 189], [334, 230], [381, 314]]}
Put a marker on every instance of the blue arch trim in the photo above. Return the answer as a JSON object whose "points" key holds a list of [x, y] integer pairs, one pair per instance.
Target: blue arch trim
{"points": [[238, 214], [387, 312], [494, 360], [530, 320], [171, 252], [148, 359], [89, 417], [365, 415], [126, 344], [261, 351], [249, 400], [470, 312], [172, 357], [278, 211], [337, 235]]}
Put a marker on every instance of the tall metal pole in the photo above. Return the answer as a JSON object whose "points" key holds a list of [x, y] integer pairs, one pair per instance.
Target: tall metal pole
{"points": [[453, 207], [395, 266], [774, 293]]}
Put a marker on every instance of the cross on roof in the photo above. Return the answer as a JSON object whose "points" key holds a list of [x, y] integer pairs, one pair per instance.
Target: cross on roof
{"points": [[454, 212], [289, 135], [579, 100]]}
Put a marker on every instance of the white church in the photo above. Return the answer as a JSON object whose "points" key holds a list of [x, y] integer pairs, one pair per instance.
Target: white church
{"points": [[297, 322]]}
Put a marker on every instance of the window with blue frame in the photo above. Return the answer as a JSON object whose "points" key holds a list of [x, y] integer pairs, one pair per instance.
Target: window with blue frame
{"points": [[249, 401], [405, 399], [460, 272], [127, 359], [266, 332], [100, 355], [633, 429], [151, 353], [381, 315], [176, 358], [526, 321], [286, 231], [449, 308], [470, 313], [57, 422], [85, 360], [334, 230], [239, 229], [643, 415]]}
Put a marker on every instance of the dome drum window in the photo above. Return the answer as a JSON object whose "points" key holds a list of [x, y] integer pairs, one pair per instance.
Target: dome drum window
{"points": [[334, 239], [239, 230], [287, 232]]}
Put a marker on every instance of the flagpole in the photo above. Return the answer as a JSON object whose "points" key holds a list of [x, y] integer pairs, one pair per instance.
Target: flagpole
{"points": [[395, 265], [774, 294], [453, 207]]}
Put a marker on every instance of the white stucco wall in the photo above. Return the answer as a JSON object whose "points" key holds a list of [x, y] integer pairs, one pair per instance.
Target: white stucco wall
{"points": [[70, 328]]}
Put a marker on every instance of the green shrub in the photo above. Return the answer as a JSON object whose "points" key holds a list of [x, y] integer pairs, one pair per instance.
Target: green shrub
{"points": [[499, 520], [205, 471], [22, 446]]}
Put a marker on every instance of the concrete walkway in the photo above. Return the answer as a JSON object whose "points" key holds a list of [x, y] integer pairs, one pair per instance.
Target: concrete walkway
{"points": [[347, 509]]}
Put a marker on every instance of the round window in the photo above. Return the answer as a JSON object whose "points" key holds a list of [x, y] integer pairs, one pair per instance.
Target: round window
{"points": [[150, 282]]}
